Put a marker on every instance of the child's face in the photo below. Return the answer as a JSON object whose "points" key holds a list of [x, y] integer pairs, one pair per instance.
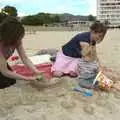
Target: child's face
{"points": [[98, 37]]}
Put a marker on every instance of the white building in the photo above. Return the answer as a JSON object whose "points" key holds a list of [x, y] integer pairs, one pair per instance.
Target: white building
{"points": [[109, 10]]}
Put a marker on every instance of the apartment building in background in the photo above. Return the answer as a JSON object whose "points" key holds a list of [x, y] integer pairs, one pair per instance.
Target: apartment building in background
{"points": [[109, 11]]}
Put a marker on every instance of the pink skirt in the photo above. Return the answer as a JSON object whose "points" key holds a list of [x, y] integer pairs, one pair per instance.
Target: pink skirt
{"points": [[65, 64]]}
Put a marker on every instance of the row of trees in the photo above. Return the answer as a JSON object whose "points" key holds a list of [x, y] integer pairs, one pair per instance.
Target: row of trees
{"points": [[41, 19], [38, 19]]}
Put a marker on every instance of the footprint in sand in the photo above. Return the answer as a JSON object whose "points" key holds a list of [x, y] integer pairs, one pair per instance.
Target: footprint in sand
{"points": [[89, 109], [101, 102], [117, 95], [68, 104]]}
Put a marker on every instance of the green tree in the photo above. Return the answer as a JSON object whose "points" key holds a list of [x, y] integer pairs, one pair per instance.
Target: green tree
{"points": [[32, 20], [56, 19], [41, 19], [91, 18], [10, 10], [45, 17]]}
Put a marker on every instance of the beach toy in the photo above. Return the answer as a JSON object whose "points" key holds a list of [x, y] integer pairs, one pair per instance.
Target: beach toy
{"points": [[39, 77], [103, 81], [84, 91]]}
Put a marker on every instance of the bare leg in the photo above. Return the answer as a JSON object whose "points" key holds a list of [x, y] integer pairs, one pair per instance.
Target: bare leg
{"points": [[58, 74], [73, 74]]}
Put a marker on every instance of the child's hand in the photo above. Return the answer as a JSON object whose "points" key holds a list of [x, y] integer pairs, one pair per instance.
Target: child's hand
{"points": [[30, 78], [87, 59], [39, 75]]}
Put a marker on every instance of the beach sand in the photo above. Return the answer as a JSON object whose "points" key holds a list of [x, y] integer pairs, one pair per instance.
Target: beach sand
{"points": [[59, 102]]}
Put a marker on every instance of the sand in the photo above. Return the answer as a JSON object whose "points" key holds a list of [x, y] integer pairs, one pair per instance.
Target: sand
{"points": [[59, 102]]}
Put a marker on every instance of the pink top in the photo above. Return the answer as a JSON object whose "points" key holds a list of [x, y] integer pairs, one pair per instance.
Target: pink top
{"points": [[6, 51]]}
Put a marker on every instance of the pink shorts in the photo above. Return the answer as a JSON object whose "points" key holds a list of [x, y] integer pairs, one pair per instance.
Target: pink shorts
{"points": [[65, 64]]}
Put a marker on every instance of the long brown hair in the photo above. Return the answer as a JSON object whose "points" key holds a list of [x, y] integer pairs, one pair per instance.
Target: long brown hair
{"points": [[98, 27], [11, 31]]}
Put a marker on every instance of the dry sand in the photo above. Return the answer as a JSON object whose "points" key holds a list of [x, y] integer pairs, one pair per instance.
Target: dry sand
{"points": [[59, 102]]}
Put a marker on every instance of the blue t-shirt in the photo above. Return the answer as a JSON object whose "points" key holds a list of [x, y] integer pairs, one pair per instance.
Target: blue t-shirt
{"points": [[73, 48]]}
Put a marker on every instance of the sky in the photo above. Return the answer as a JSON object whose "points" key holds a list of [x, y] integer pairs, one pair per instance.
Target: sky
{"points": [[29, 7]]}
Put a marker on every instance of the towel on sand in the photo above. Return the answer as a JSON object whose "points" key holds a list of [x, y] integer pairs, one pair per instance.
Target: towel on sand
{"points": [[44, 68]]}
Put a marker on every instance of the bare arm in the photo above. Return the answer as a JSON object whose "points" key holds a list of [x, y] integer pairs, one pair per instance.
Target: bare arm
{"points": [[85, 48], [94, 53], [89, 52], [85, 51], [6, 72], [26, 60]]}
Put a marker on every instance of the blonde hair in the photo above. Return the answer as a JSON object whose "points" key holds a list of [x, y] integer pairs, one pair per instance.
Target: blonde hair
{"points": [[89, 51]]}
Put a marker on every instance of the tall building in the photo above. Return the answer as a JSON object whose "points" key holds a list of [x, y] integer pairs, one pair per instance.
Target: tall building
{"points": [[109, 11]]}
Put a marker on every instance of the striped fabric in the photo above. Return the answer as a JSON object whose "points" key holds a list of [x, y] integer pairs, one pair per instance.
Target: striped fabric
{"points": [[87, 72]]}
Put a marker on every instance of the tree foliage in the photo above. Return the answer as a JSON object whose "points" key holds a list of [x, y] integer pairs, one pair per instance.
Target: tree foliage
{"points": [[41, 19], [9, 10], [91, 18]]}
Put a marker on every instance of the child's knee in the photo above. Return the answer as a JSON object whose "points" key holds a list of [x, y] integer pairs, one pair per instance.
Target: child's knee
{"points": [[57, 73], [73, 74]]}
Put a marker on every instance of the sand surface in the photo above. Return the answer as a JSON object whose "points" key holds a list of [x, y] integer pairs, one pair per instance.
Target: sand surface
{"points": [[59, 102]]}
